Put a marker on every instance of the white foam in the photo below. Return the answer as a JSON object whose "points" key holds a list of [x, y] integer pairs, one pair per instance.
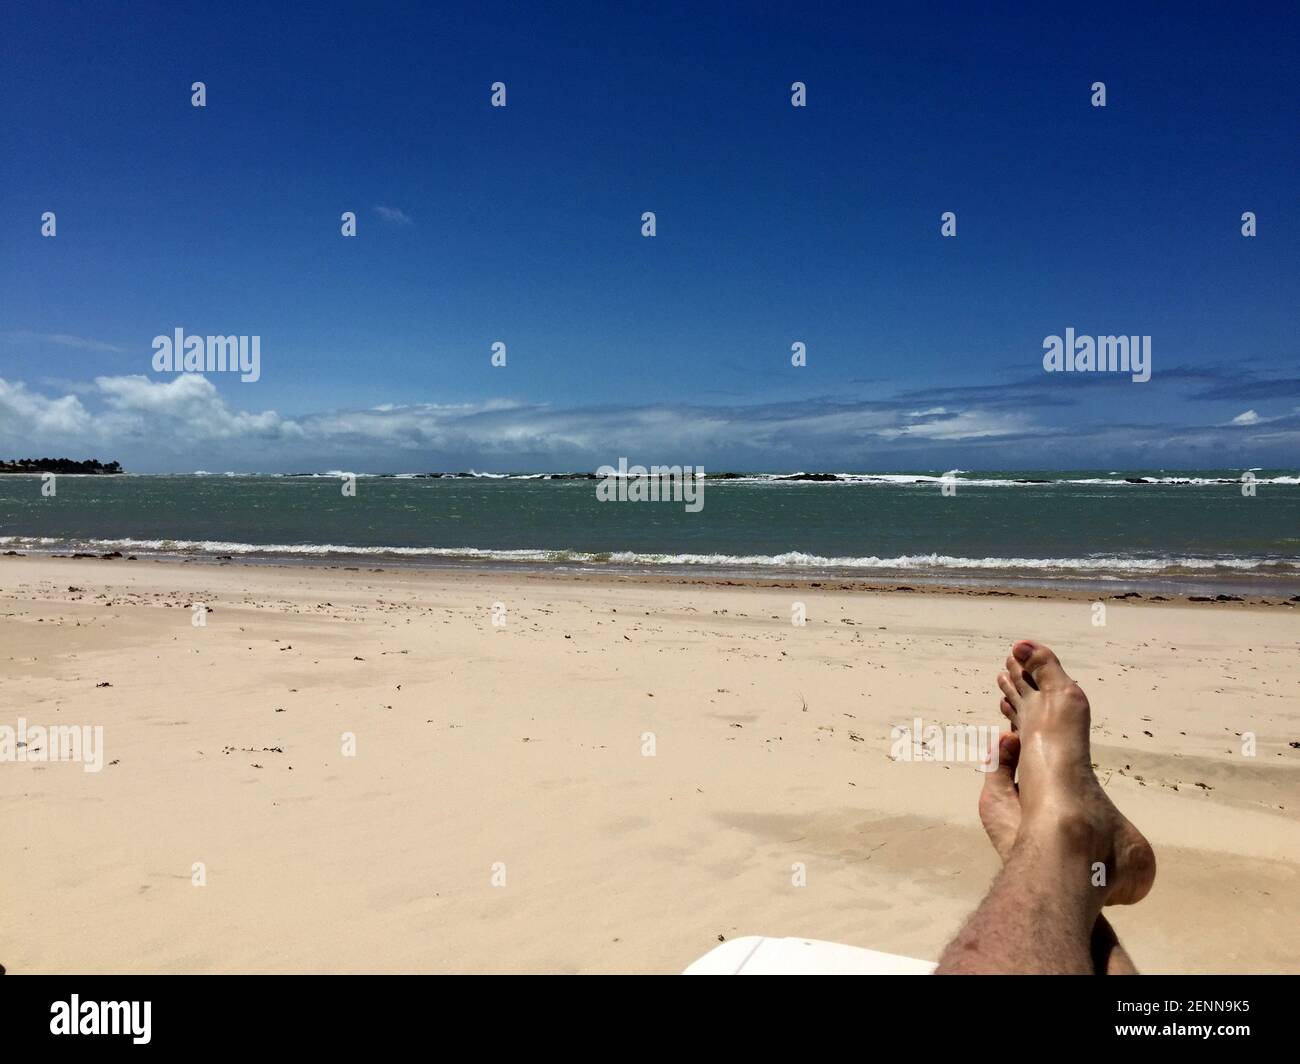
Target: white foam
{"points": [[789, 560]]}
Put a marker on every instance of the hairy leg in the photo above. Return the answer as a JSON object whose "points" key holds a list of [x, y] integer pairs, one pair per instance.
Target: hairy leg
{"points": [[1074, 852], [999, 808]]}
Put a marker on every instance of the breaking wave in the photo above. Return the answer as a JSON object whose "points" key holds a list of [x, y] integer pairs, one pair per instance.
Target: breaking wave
{"points": [[790, 560]]}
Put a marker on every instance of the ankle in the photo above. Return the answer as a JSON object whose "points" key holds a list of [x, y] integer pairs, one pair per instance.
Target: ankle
{"points": [[1066, 829]]}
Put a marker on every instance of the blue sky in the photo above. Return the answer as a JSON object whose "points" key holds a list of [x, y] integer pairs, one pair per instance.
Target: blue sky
{"points": [[775, 224]]}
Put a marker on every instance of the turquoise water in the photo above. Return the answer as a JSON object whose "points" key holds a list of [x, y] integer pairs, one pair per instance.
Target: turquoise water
{"points": [[1020, 525]]}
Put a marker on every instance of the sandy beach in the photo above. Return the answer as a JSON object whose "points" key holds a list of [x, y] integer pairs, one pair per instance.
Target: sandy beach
{"points": [[500, 812]]}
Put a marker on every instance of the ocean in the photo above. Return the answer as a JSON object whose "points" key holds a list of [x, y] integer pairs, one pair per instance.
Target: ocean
{"points": [[1152, 529]]}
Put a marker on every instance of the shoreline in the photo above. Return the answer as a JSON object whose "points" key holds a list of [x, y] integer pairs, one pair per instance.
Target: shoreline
{"points": [[1226, 590]]}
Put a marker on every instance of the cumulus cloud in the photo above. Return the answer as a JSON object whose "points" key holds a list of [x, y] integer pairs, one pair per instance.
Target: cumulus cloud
{"points": [[174, 413], [25, 414], [187, 415], [184, 422], [188, 403]]}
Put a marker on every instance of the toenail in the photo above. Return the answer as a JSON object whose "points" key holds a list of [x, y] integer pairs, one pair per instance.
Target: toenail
{"points": [[1022, 651]]}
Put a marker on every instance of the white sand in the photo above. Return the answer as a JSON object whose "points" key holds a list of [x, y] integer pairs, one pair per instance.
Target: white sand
{"points": [[523, 744]]}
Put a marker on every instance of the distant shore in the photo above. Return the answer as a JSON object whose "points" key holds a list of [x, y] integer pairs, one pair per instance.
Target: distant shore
{"points": [[69, 466]]}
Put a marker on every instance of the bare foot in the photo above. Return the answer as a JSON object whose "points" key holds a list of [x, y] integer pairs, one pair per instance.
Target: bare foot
{"points": [[1000, 800], [1060, 798]]}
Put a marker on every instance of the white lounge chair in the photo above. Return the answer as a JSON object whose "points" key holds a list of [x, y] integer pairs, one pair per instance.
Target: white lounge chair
{"points": [[758, 955]]}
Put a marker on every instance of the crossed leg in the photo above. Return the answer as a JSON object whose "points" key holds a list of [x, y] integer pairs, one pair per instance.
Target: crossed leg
{"points": [[1072, 851], [999, 808]]}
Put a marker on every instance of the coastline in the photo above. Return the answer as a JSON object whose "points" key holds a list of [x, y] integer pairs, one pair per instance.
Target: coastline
{"points": [[1159, 535], [1220, 589]]}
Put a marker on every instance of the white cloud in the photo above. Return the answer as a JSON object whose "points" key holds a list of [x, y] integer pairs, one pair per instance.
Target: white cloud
{"points": [[184, 422], [163, 419], [175, 413], [188, 403], [1249, 418], [25, 414], [393, 215], [966, 425], [79, 343]]}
